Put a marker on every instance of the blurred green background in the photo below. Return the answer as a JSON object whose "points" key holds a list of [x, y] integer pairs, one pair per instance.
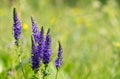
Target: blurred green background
{"points": [[89, 31]]}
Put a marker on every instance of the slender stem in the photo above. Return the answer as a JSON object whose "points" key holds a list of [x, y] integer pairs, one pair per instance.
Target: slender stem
{"points": [[22, 67], [57, 74], [44, 73], [19, 56]]}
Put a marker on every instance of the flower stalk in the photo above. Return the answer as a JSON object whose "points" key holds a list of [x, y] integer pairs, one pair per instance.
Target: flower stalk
{"points": [[44, 72], [57, 74], [59, 60], [17, 27], [47, 51]]}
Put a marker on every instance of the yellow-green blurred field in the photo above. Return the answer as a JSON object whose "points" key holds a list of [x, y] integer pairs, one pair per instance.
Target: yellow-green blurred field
{"points": [[89, 31]]}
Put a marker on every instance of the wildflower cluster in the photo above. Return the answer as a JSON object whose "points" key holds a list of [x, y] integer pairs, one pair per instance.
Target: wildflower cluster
{"points": [[41, 45]]}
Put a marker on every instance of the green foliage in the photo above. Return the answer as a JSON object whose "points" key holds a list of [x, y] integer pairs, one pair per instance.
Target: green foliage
{"points": [[104, 2]]}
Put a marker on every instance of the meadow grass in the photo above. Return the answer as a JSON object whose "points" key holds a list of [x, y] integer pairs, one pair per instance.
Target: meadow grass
{"points": [[90, 37]]}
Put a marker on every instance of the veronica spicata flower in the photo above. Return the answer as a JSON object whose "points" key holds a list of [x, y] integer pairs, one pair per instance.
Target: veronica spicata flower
{"points": [[34, 56], [17, 27], [40, 44], [34, 26], [59, 60], [35, 30], [47, 50]]}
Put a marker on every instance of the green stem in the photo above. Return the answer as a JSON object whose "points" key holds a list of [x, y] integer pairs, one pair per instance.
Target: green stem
{"points": [[22, 67], [19, 56], [57, 74], [44, 73]]}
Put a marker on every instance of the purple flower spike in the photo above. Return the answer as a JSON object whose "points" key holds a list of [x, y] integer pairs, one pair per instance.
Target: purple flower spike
{"points": [[34, 26], [35, 56], [35, 30], [47, 50], [40, 44], [17, 27], [59, 60]]}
